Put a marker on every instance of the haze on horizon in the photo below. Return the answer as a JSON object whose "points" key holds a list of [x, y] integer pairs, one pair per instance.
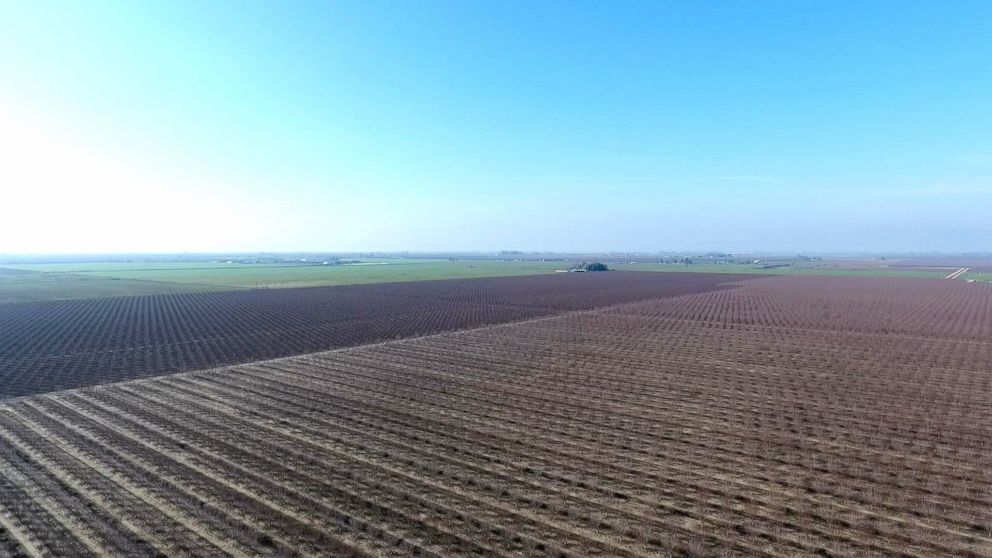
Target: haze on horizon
{"points": [[456, 126]]}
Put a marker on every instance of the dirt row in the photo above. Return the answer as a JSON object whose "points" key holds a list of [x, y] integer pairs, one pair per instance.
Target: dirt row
{"points": [[54, 345], [624, 431]]}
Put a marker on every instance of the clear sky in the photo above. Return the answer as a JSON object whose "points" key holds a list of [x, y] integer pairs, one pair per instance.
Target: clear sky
{"points": [[216, 126]]}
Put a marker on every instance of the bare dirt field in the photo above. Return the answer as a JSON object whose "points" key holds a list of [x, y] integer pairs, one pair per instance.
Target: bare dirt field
{"points": [[788, 416]]}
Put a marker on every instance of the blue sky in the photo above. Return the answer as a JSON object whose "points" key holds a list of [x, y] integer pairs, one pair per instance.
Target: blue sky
{"points": [[212, 126]]}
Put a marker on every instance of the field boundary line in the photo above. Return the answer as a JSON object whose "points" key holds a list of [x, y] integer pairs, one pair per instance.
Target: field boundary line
{"points": [[536, 319]]}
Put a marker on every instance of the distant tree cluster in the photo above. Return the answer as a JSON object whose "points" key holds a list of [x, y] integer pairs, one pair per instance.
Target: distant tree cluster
{"points": [[596, 266]]}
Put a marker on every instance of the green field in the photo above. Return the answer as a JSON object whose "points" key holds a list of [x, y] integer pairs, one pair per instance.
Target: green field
{"points": [[972, 275], [374, 272], [88, 280], [22, 287], [800, 269], [112, 267], [48, 281]]}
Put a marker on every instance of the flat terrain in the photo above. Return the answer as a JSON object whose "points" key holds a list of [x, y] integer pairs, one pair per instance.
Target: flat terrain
{"points": [[20, 286], [787, 416], [56, 281], [191, 276], [836, 269], [979, 264], [46, 346]]}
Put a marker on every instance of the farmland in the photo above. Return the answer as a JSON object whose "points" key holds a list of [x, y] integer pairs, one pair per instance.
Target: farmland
{"points": [[832, 268], [778, 416], [18, 285], [45, 346], [95, 279], [212, 276]]}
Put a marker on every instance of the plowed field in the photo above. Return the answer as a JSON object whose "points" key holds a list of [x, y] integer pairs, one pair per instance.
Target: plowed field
{"points": [[782, 417], [47, 346]]}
